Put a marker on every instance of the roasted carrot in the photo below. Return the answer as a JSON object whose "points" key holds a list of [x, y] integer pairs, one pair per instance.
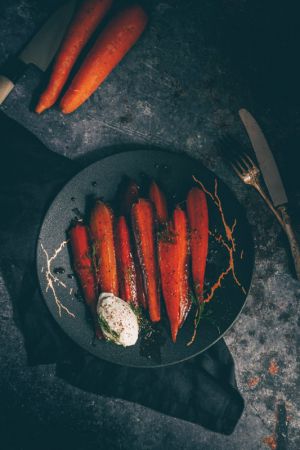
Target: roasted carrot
{"points": [[160, 204], [173, 260], [168, 276], [84, 23], [84, 269], [128, 196], [111, 46], [101, 226], [198, 223], [181, 229], [125, 263], [143, 228], [139, 282]]}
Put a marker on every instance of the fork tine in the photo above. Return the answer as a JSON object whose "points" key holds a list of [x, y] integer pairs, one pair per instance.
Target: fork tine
{"points": [[249, 159], [232, 150], [245, 162], [239, 174], [242, 167]]}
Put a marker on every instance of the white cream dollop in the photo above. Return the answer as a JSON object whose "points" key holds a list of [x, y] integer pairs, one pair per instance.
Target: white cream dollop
{"points": [[117, 320]]}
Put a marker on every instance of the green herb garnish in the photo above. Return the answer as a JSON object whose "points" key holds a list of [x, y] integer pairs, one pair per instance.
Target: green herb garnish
{"points": [[166, 234], [106, 328]]}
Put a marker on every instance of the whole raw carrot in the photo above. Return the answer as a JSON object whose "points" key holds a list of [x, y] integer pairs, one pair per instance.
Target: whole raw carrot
{"points": [[198, 222], [84, 268], [111, 46], [101, 226], [84, 23]]}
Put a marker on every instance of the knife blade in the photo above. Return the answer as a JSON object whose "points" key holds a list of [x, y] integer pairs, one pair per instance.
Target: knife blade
{"points": [[265, 159], [41, 49]]}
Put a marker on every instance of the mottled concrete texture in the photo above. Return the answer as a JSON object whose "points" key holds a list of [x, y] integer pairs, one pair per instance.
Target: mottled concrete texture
{"points": [[196, 65]]}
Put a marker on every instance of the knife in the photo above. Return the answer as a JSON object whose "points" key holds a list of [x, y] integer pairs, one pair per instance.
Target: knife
{"points": [[40, 51], [272, 180]]}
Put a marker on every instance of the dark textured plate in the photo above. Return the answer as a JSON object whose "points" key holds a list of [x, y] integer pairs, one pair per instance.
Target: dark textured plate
{"points": [[175, 173]]}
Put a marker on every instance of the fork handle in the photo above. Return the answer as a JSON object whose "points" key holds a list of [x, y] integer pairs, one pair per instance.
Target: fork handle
{"points": [[294, 245], [270, 205]]}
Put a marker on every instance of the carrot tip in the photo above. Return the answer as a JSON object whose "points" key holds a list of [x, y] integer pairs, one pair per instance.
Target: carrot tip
{"points": [[155, 319], [65, 110], [174, 335], [40, 108]]}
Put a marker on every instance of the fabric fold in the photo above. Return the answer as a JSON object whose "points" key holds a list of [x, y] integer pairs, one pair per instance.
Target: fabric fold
{"points": [[201, 390]]}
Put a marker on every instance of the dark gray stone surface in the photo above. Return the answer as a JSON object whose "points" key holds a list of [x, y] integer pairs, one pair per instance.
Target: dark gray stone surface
{"points": [[196, 65]]}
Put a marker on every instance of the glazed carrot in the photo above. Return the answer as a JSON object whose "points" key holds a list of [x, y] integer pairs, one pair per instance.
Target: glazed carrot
{"points": [[173, 260], [143, 228], [111, 46], [139, 282], [128, 196], [84, 269], [82, 26], [181, 229], [101, 226], [198, 223], [160, 204], [125, 263], [168, 276]]}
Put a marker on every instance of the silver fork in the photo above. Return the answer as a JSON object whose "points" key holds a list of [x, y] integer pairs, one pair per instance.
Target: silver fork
{"points": [[246, 170], [249, 173]]}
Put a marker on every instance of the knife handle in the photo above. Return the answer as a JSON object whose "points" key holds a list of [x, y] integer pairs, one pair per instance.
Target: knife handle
{"points": [[294, 245], [276, 213], [10, 72], [6, 86]]}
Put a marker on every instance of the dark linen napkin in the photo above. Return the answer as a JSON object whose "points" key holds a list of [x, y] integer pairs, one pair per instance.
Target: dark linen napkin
{"points": [[202, 390]]}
